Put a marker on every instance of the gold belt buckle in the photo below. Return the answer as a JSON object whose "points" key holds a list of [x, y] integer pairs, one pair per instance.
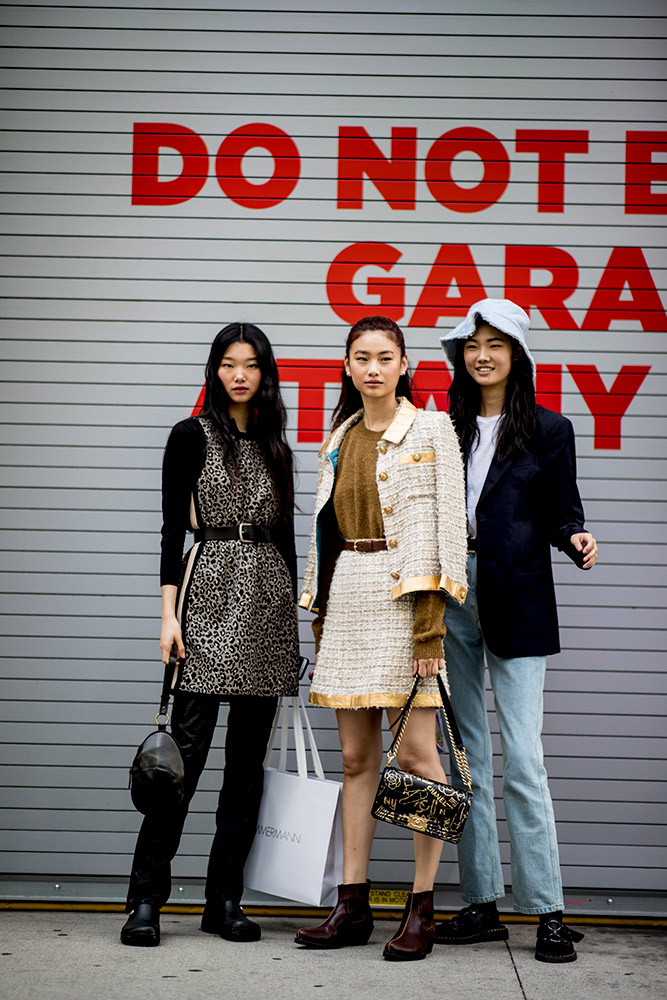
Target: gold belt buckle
{"points": [[356, 541]]}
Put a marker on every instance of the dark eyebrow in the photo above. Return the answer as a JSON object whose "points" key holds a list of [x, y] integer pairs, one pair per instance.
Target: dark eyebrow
{"points": [[387, 350]]}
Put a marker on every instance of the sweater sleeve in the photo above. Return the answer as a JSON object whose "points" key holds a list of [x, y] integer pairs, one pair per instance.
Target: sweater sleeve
{"points": [[286, 545], [429, 627], [182, 464]]}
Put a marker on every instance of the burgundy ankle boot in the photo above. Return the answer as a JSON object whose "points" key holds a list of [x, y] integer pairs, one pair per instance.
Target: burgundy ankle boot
{"points": [[349, 923], [416, 934]]}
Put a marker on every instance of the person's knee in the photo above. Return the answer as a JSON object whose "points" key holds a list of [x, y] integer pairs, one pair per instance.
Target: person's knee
{"points": [[418, 759], [360, 760]]}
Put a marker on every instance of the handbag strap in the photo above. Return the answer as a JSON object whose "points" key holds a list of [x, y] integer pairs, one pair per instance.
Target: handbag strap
{"points": [[169, 674], [455, 741]]}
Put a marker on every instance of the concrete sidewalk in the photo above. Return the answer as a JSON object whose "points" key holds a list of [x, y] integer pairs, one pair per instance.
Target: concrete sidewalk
{"points": [[78, 956]]}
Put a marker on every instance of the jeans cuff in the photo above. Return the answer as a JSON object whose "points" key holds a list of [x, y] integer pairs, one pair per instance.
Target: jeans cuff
{"points": [[483, 899], [535, 911]]}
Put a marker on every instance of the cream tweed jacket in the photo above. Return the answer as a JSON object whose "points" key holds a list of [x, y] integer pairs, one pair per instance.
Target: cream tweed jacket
{"points": [[422, 496]]}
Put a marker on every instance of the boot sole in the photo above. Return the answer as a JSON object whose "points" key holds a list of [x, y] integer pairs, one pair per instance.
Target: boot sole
{"points": [[556, 959], [406, 956], [136, 940], [332, 945], [230, 935], [501, 934], [243, 937]]}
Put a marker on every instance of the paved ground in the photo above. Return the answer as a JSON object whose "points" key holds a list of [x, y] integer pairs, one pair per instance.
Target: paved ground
{"points": [[77, 956]]}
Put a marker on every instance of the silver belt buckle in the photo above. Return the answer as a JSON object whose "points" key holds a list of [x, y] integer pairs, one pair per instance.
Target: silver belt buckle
{"points": [[242, 525]]}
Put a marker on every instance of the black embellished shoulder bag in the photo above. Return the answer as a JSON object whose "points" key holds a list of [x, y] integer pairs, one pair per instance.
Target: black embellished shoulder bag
{"points": [[422, 804]]}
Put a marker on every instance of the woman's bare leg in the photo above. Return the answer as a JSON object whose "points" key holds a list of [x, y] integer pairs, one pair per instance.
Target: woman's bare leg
{"points": [[360, 734]]}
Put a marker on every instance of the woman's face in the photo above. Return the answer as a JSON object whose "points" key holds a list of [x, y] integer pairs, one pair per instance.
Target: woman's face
{"points": [[239, 372], [488, 356], [375, 364]]}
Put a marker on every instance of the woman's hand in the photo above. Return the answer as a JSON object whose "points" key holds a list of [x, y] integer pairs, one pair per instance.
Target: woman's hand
{"points": [[584, 542], [170, 634], [428, 668]]}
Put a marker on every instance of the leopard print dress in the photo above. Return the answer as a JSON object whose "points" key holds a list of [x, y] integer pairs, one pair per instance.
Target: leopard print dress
{"points": [[236, 604]]}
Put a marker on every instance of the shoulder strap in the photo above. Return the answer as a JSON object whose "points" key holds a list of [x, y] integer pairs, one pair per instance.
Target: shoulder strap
{"points": [[169, 672], [456, 743]]}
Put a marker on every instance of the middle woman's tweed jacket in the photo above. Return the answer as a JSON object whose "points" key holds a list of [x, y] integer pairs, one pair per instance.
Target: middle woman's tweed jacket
{"points": [[420, 482]]}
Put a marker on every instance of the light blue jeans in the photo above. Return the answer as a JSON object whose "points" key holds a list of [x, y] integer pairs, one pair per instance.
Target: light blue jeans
{"points": [[518, 691]]}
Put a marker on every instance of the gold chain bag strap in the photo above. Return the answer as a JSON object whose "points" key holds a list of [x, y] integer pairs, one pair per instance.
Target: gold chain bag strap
{"points": [[422, 804]]}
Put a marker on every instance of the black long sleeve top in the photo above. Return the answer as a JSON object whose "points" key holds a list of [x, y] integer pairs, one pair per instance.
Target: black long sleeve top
{"points": [[184, 457]]}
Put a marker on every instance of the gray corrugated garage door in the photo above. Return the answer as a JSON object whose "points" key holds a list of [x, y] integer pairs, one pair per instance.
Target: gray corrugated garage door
{"points": [[111, 303]]}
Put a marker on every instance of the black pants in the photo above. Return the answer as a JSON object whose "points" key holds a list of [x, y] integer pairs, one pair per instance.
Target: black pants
{"points": [[193, 721]]}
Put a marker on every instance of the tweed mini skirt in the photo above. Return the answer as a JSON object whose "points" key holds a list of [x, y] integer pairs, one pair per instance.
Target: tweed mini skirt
{"points": [[366, 654]]}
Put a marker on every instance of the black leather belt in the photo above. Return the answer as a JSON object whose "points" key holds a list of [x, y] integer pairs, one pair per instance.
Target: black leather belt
{"points": [[472, 544], [234, 532]]}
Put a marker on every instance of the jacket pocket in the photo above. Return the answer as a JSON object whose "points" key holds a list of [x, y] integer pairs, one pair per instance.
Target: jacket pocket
{"points": [[416, 472], [417, 458]]}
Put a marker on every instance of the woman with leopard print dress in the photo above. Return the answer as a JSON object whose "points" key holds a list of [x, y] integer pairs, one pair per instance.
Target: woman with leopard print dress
{"points": [[229, 608]]}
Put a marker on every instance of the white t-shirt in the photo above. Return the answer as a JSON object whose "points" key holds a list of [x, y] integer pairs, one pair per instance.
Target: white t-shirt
{"points": [[478, 466]]}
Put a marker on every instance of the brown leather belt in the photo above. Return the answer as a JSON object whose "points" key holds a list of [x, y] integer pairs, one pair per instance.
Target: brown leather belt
{"points": [[365, 544], [472, 544]]}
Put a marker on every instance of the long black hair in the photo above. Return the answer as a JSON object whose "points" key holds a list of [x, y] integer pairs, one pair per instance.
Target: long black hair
{"points": [[350, 399], [518, 421], [266, 418]]}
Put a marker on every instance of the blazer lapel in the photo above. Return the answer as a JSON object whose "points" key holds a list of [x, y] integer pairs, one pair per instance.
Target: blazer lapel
{"points": [[496, 472]]}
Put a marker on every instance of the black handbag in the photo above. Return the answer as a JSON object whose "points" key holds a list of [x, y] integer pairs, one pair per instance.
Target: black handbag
{"points": [[157, 778], [422, 804]]}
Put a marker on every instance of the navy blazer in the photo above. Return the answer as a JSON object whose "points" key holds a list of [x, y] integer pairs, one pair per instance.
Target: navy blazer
{"points": [[529, 503]]}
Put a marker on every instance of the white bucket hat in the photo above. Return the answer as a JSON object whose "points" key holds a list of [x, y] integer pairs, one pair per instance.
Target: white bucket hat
{"points": [[502, 314]]}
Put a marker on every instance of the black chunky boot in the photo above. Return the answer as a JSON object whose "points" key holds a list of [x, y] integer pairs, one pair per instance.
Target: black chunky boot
{"points": [[142, 927], [227, 919]]}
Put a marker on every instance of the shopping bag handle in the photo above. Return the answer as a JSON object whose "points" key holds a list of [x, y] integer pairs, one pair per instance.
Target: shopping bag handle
{"points": [[300, 718]]}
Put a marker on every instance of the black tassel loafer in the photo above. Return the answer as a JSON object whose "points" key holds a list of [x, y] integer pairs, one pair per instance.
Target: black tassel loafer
{"points": [[555, 941], [470, 926]]}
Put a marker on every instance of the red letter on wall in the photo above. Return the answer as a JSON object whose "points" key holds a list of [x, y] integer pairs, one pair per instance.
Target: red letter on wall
{"points": [[432, 378], [287, 165], [641, 172], [438, 169], [147, 188], [551, 146], [608, 407], [311, 375], [548, 387], [627, 267], [395, 179], [341, 276], [549, 299], [453, 265]]}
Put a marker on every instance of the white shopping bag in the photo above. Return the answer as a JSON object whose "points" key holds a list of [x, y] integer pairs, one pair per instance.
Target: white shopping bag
{"points": [[298, 848]]}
